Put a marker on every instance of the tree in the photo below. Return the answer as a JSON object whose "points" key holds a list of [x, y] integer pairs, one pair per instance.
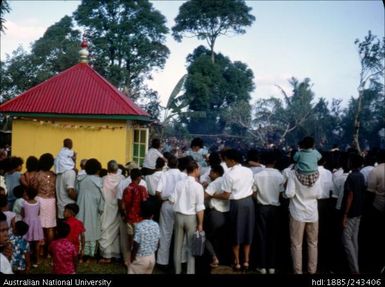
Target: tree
{"points": [[211, 88], [126, 41], [207, 20], [4, 8], [372, 53]]}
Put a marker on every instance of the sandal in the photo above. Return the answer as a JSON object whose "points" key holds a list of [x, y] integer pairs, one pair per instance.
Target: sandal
{"points": [[246, 266], [214, 264], [237, 267]]}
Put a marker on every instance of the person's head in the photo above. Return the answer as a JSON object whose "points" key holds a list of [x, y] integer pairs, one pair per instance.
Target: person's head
{"points": [[112, 166], [147, 209], [253, 155], [93, 166], [21, 228], [3, 202], [192, 168], [136, 175], [307, 142], [355, 161], [232, 157], [15, 163], [62, 229], [83, 163], [216, 171], [46, 162], [196, 144], [18, 191], [31, 193], [155, 143], [183, 162], [269, 158], [68, 143], [2, 191], [32, 163], [3, 229], [160, 163], [214, 159], [71, 210], [172, 162], [381, 156]]}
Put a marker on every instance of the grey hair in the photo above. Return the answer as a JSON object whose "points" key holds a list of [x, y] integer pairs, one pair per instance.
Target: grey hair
{"points": [[112, 166]]}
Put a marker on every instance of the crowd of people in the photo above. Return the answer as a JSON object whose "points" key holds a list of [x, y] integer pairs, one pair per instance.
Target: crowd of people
{"points": [[257, 208]]}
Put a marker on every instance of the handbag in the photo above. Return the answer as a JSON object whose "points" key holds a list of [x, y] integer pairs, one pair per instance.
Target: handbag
{"points": [[198, 243]]}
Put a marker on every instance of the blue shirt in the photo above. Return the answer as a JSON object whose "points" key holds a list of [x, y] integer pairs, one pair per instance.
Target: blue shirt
{"points": [[147, 235]]}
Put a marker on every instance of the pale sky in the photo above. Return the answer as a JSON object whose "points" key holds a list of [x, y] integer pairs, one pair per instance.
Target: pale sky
{"points": [[312, 39]]}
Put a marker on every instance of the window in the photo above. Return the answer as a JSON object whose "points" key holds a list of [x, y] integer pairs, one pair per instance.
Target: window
{"points": [[140, 145]]}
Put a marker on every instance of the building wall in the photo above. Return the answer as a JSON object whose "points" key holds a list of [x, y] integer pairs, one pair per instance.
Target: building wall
{"points": [[91, 138]]}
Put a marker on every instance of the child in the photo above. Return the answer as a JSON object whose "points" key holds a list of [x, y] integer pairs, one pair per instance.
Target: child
{"points": [[76, 228], [63, 252], [21, 263], [9, 214], [146, 241], [12, 177], [19, 193], [30, 212], [306, 168], [65, 160]]}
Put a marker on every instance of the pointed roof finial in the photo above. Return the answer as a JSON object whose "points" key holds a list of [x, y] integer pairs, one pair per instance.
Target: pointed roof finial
{"points": [[84, 51]]}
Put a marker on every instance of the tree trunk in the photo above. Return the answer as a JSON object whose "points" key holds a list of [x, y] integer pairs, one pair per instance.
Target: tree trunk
{"points": [[357, 121], [212, 43]]}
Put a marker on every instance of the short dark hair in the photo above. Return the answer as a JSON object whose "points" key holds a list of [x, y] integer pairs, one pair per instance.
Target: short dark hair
{"points": [[197, 142], [217, 169], [147, 208], [160, 162], [32, 163], [172, 162], [269, 157], [355, 161], [191, 166], [307, 142], [92, 166], [15, 161], [3, 217], [183, 162], [31, 192], [18, 191], [214, 159], [155, 143], [233, 154], [21, 228], [67, 142], [73, 207], [46, 162], [135, 173], [3, 200], [62, 229]]}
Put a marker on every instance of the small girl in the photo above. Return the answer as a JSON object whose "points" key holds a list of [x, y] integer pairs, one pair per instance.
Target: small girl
{"points": [[21, 263], [306, 168], [63, 252], [30, 212]]}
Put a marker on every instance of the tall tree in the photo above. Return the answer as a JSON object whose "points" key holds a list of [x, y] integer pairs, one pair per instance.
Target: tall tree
{"points": [[207, 20], [4, 8], [126, 41], [371, 51], [211, 88]]}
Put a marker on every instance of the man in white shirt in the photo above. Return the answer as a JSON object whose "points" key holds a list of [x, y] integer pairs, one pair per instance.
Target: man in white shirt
{"points": [[269, 184], [151, 156], [303, 210], [164, 191], [189, 207]]}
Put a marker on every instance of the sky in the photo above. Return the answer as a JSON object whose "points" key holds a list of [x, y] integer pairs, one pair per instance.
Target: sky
{"points": [[313, 39]]}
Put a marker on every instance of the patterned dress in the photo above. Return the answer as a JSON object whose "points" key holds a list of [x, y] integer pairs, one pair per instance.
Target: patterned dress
{"points": [[20, 248], [64, 255]]}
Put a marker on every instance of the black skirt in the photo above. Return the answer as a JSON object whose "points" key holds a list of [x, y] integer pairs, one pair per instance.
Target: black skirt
{"points": [[242, 220]]}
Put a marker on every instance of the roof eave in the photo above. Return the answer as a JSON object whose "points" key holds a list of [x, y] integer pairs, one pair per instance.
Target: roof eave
{"points": [[140, 118]]}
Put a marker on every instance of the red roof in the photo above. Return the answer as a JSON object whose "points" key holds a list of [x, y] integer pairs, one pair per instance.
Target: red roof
{"points": [[79, 90]]}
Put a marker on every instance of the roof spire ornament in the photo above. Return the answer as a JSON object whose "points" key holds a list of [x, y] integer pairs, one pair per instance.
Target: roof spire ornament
{"points": [[84, 51]]}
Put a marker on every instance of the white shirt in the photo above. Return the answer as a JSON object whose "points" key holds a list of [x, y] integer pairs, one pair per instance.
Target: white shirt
{"points": [[151, 157], [303, 205], [238, 181], [124, 183], [188, 197], [152, 181], [326, 181], [218, 204], [256, 169], [167, 182], [5, 266], [365, 171], [269, 183], [338, 191]]}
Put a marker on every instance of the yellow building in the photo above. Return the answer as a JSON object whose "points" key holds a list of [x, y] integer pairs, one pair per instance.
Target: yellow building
{"points": [[79, 104]]}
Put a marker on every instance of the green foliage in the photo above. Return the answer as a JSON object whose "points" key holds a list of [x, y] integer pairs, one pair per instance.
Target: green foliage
{"points": [[207, 20], [126, 41], [211, 88], [4, 8]]}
